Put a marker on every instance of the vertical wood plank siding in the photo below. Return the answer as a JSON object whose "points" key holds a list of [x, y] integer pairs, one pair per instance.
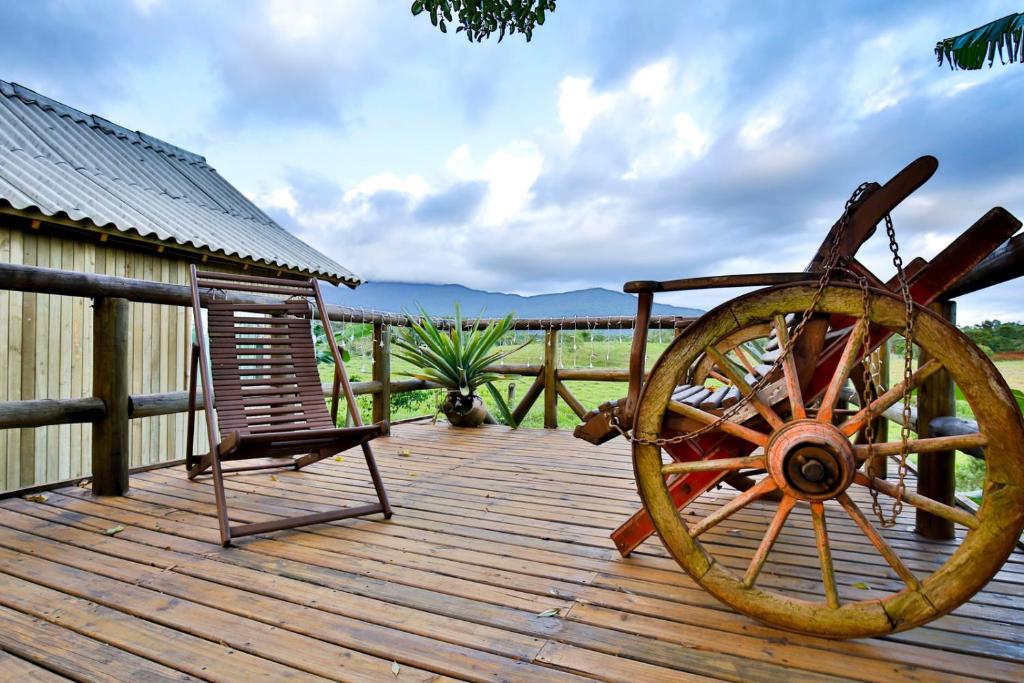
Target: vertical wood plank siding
{"points": [[46, 352]]}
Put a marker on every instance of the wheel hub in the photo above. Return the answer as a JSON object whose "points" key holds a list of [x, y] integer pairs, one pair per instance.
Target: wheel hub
{"points": [[811, 460]]}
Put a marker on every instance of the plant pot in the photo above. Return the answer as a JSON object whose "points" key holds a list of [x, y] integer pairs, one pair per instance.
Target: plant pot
{"points": [[464, 411]]}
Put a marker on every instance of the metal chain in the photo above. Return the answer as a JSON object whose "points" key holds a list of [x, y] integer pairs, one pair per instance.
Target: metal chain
{"points": [[908, 371], [831, 265]]}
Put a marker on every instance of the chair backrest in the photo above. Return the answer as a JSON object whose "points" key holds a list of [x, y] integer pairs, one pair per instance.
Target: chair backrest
{"points": [[262, 359]]}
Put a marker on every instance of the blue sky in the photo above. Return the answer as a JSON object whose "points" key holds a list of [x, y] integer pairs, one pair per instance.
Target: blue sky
{"points": [[628, 140]]}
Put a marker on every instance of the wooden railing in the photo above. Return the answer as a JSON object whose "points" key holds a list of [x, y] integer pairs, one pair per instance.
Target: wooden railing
{"points": [[111, 408]]}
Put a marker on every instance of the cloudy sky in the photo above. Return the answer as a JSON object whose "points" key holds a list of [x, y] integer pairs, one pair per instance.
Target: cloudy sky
{"points": [[628, 140]]}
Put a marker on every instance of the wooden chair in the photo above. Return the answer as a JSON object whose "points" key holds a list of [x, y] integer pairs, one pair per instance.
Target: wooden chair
{"points": [[259, 374]]}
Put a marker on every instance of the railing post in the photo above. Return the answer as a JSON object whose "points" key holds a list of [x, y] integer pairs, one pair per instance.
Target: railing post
{"points": [[110, 443], [550, 378], [936, 473], [382, 372]]}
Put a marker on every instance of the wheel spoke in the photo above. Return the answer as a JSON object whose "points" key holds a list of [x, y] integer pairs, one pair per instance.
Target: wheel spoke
{"points": [[887, 399], [842, 373], [753, 461], [736, 377], [961, 442], [778, 521], [737, 503], [719, 376], [884, 549], [796, 397], [961, 517], [743, 359], [828, 577], [698, 415]]}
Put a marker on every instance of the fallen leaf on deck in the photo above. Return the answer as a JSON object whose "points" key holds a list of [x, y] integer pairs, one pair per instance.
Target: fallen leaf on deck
{"points": [[396, 669], [861, 585], [273, 477], [552, 612], [405, 452], [412, 474], [113, 530], [38, 498], [735, 532], [338, 458]]}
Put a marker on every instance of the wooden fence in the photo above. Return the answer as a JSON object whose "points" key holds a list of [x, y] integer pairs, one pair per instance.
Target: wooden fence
{"points": [[112, 408]]}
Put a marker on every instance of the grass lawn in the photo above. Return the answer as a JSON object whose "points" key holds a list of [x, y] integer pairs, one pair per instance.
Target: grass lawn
{"points": [[612, 351]]}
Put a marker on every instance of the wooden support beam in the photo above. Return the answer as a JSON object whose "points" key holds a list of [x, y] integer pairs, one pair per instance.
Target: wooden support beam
{"points": [[1003, 264], [529, 398], [42, 412], [382, 373], [110, 443], [551, 379], [570, 400], [936, 472]]}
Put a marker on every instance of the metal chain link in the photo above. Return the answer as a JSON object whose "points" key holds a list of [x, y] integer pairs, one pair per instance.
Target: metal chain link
{"points": [[908, 371]]}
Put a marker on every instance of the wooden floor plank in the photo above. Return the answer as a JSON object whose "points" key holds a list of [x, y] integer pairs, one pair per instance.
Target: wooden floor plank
{"points": [[492, 528], [48, 648]]}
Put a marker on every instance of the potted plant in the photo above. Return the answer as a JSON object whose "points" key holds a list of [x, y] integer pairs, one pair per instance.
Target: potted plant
{"points": [[457, 358]]}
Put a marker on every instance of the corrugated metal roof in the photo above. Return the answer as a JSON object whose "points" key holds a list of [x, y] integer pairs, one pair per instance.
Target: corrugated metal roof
{"points": [[60, 161]]}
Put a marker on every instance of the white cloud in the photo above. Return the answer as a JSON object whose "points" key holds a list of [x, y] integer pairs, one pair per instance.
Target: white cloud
{"points": [[758, 128], [578, 105], [652, 82], [416, 187], [510, 173], [276, 198], [460, 163], [691, 140]]}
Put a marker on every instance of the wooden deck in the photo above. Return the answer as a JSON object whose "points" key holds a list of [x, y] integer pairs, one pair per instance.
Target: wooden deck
{"points": [[492, 528]]}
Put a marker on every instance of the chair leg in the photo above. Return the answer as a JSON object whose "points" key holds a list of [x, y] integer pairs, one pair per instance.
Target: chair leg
{"points": [[190, 459], [198, 465], [378, 483], [218, 494]]}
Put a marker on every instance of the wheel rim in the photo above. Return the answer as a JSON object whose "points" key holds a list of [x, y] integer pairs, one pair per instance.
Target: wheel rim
{"points": [[990, 536]]}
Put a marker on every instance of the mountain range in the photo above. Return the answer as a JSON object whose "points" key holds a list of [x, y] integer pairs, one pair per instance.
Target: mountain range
{"points": [[439, 300]]}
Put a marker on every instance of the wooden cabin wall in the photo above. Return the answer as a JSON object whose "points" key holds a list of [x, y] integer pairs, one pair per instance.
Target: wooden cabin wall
{"points": [[46, 352]]}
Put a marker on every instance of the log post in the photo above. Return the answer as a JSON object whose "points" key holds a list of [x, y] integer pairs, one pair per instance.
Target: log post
{"points": [[551, 378], [936, 472], [110, 444], [382, 372]]}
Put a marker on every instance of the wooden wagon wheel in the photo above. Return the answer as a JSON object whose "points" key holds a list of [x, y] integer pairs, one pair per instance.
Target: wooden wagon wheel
{"points": [[813, 462]]}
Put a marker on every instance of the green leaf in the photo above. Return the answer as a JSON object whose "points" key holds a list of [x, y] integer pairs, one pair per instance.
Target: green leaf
{"points": [[1019, 395], [970, 50], [417, 7], [499, 402], [114, 530]]}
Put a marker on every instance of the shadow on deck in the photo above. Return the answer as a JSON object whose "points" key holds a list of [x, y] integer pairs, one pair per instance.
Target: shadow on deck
{"points": [[492, 528]]}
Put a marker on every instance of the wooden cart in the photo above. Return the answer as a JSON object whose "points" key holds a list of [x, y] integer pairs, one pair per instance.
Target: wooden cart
{"points": [[712, 411]]}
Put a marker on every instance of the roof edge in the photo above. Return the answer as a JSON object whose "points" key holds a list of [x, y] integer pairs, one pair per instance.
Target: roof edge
{"points": [[87, 223], [29, 96]]}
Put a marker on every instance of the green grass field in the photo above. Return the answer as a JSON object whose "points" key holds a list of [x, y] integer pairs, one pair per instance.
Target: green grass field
{"points": [[612, 352]]}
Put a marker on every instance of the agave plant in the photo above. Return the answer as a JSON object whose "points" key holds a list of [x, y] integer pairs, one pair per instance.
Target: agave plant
{"points": [[457, 357]]}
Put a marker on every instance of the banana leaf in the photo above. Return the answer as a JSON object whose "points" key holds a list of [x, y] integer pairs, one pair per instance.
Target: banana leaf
{"points": [[970, 50]]}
